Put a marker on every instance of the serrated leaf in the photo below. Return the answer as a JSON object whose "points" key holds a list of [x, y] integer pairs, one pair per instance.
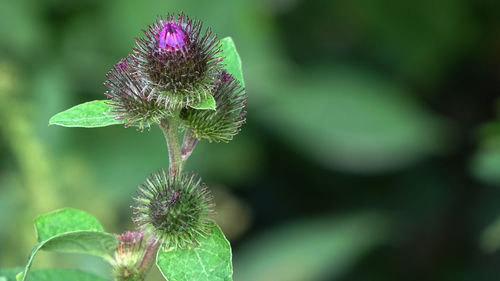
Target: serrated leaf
{"points": [[91, 114], [209, 261], [59, 275], [232, 59], [206, 102], [71, 231]]}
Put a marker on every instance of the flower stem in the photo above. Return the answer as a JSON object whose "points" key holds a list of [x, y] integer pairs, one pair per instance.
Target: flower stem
{"points": [[170, 128], [149, 257]]}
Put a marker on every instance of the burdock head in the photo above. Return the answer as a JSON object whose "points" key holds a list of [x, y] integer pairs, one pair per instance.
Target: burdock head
{"points": [[225, 122], [178, 58], [176, 210], [132, 99]]}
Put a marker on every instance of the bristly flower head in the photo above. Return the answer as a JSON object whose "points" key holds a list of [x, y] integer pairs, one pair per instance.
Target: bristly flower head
{"points": [[176, 210], [131, 98], [178, 58], [225, 122], [128, 256]]}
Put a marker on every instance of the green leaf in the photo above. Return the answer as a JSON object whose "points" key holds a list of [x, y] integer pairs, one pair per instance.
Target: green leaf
{"points": [[65, 220], [60, 275], [232, 59], [91, 114], [312, 249], [71, 231], [206, 102], [210, 260], [352, 119]]}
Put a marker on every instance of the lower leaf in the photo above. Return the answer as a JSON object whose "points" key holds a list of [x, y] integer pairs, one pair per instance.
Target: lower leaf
{"points": [[208, 261]]}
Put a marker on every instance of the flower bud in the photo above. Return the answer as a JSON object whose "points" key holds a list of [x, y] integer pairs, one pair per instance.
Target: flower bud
{"points": [[132, 99], [176, 210], [225, 122], [128, 256], [179, 59]]}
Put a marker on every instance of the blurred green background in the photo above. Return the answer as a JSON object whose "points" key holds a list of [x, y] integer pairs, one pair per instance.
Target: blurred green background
{"points": [[371, 150]]}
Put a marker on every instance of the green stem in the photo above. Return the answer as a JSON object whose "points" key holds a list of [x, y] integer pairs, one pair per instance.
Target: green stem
{"points": [[149, 257], [170, 128]]}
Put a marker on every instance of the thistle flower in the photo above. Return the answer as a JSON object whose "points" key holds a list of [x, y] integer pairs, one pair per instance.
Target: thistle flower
{"points": [[225, 122], [179, 59], [128, 256], [176, 210], [132, 99]]}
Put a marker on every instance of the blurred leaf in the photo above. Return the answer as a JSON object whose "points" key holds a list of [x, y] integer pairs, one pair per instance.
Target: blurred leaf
{"points": [[485, 165], [71, 231], [232, 59], [56, 275], [307, 250], [91, 114], [423, 51], [490, 238], [210, 260], [352, 120], [9, 274], [206, 102]]}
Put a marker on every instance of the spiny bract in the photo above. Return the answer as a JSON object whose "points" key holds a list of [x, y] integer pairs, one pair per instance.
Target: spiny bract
{"points": [[176, 210], [179, 59], [131, 98], [224, 122]]}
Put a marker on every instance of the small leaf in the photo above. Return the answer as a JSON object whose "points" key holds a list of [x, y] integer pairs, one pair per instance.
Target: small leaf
{"points": [[71, 231], [232, 59], [210, 260], [91, 114], [60, 275], [206, 102]]}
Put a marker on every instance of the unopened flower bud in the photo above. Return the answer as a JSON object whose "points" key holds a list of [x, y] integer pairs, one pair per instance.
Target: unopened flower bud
{"points": [[131, 98], [128, 256], [171, 37], [175, 210], [178, 59], [225, 122]]}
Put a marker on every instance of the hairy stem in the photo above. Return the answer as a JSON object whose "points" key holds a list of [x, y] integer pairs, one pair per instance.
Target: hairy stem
{"points": [[188, 144], [170, 127], [149, 257]]}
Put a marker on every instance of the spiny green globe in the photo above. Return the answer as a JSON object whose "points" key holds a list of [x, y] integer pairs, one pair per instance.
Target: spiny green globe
{"points": [[176, 210]]}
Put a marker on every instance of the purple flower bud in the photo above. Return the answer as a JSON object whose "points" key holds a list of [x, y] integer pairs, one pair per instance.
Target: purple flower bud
{"points": [[179, 59], [128, 255], [171, 37]]}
